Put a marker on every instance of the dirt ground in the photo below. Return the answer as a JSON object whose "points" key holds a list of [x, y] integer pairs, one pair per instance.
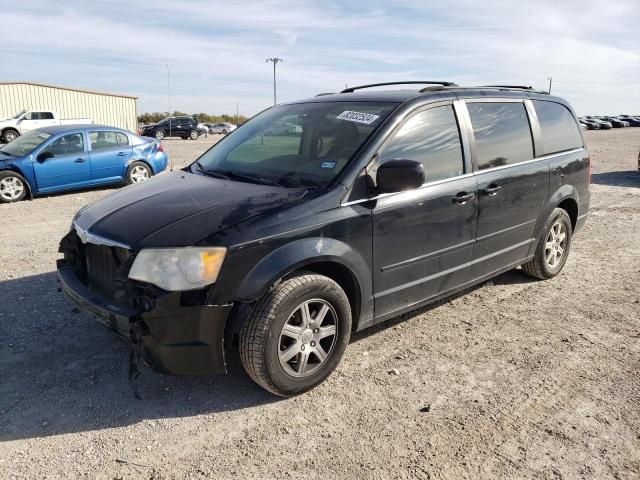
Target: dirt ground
{"points": [[513, 379]]}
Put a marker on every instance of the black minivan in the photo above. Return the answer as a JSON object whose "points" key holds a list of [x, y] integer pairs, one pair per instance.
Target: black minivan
{"points": [[281, 246]]}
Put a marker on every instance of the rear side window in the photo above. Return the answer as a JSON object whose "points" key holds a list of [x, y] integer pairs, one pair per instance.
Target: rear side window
{"points": [[558, 127], [502, 133], [122, 138], [103, 140], [432, 138], [46, 116]]}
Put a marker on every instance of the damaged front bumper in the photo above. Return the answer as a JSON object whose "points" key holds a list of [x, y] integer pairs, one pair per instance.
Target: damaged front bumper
{"points": [[172, 338]]}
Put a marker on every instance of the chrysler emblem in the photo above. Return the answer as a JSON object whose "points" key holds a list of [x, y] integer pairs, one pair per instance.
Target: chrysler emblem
{"points": [[82, 234]]}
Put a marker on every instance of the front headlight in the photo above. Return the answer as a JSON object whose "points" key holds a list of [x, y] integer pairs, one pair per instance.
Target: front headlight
{"points": [[176, 269]]}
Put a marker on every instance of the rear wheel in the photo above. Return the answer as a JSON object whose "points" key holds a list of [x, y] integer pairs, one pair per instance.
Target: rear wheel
{"points": [[296, 334], [138, 172], [160, 134], [553, 247], [10, 135], [13, 187]]}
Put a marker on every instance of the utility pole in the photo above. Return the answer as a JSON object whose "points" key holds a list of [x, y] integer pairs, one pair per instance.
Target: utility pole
{"points": [[550, 80], [237, 115], [275, 62]]}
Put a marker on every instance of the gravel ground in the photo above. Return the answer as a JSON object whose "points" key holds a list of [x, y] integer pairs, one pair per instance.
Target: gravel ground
{"points": [[515, 378]]}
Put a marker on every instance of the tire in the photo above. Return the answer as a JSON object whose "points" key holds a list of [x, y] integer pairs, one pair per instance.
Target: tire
{"points": [[264, 342], [138, 172], [225, 132], [553, 247], [10, 135], [193, 134], [13, 187], [159, 134]]}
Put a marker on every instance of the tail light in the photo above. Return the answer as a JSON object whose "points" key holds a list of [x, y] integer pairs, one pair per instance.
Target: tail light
{"points": [[161, 149]]}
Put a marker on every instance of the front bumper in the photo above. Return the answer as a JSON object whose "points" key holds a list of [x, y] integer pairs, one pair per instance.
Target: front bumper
{"points": [[174, 339]]}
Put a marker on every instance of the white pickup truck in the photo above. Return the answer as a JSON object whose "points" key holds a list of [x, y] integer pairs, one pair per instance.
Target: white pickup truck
{"points": [[22, 122]]}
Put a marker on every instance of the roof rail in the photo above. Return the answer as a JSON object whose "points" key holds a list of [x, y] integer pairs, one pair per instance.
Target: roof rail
{"points": [[411, 82], [325, 93], [514, 87]]}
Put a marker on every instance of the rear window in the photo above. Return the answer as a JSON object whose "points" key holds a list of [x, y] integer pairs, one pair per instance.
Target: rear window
{"points": [[502, 133], [558, 127]]}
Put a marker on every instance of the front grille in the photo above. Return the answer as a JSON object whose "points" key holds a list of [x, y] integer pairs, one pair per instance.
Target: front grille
{"points": [[102, 269]]}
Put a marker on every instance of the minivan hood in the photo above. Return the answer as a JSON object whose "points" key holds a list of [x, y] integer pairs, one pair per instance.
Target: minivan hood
{"points": [[178, 209]]}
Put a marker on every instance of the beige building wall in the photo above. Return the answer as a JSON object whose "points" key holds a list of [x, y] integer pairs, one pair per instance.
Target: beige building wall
{"points": [[102, 108]]}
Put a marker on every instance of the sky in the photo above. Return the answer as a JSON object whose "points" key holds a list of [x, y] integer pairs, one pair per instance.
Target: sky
{"points": [[216, 51]]}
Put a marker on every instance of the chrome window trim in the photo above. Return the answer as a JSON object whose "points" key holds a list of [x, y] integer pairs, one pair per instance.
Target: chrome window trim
{"points": [[451, 179]]}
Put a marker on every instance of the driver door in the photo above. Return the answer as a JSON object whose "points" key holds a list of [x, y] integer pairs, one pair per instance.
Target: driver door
{"points": [[63, 163], [423, 239]]}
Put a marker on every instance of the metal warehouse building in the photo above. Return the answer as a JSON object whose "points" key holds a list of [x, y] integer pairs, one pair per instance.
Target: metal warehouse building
{"points": [[103, 108]]}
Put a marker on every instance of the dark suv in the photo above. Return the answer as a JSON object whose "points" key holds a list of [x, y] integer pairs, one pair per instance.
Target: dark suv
{"points": [[281, 246], [183, 127]]}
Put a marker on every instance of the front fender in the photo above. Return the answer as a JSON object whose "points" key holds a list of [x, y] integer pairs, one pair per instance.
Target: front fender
{"points": [[294, 256], [26, 173]]}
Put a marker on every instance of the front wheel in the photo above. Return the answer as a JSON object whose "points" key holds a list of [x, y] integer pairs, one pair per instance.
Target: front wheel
{"points": [[10, 135], [193, 134], [296, 334], [553, 247], [13, 187], [160, 134], [138, 172]]}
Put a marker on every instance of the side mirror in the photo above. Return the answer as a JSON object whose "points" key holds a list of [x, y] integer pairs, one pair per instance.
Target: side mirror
{"points": [[398, 175], [42, 156]]}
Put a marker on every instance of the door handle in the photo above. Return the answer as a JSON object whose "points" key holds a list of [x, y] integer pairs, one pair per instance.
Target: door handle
{"points": [[491, 190], [121, 154], [79, 160], [462, 198]]}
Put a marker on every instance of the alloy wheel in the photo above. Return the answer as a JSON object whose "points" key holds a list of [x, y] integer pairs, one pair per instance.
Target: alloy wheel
{"points": [[308, 337], [139, 174], [556, 244], [11, 188]]}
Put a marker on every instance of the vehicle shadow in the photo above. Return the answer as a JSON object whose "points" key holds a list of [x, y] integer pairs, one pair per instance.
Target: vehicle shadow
{"points": [[61, 372], [629, 178]]}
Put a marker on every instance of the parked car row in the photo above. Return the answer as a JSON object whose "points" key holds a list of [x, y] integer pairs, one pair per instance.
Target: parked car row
{"points": [[591, 122], [184, 127]]}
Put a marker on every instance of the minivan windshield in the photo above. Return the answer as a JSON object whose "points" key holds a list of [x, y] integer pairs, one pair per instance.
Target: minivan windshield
{"points": [[297, 145], [24, 144]]}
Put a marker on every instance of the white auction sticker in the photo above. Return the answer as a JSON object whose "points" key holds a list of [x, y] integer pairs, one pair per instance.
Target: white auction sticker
{"points": [[366, 118]]}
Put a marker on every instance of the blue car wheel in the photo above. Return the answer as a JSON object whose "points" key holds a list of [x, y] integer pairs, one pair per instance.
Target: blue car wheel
{"points": [[13, 187]]}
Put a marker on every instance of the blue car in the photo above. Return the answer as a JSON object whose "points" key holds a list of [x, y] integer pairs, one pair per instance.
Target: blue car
{"points": [[69, 157]]}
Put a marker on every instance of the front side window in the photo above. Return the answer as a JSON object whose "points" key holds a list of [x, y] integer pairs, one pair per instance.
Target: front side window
{"points": [[502, 133], [66, 145], [557, 126], [305, 144], [431, 137], [103, 140]]}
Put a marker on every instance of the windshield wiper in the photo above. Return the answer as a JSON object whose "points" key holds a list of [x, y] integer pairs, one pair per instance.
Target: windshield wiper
{"points": [[5, 153], [250, 178], [210, 173]]}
